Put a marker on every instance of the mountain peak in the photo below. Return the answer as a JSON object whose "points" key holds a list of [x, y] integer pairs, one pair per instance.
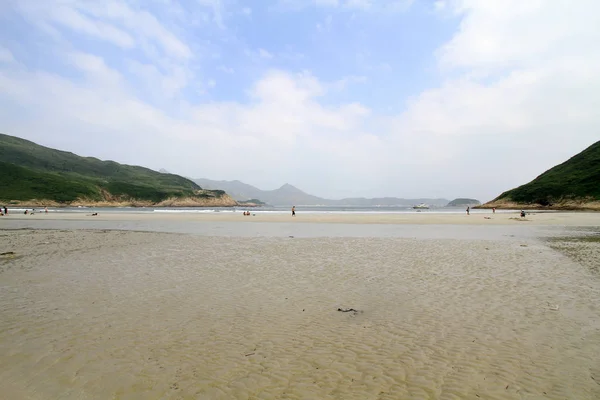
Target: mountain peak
{"points": [[287, 188]]}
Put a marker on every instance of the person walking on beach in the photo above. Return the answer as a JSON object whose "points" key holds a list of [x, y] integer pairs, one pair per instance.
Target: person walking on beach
{"points": [[468, 210], [5, 210], [493, 210], [293, 211]]}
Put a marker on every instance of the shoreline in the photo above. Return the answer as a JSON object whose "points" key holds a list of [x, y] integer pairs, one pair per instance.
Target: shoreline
{"points": [[559, 206], [569, 219]]}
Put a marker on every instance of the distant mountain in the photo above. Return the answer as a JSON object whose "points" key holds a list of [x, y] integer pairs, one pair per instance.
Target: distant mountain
{"points": [[463, 202], [238, 190], [33, 174], [288, 195], [574, 184]]}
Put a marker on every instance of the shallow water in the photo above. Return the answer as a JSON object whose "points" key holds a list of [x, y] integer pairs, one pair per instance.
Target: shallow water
{"points": [[300, 230], [131, 315]]}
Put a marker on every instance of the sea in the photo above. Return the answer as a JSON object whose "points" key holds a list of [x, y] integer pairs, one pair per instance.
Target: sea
{"points": [[265, 210]]}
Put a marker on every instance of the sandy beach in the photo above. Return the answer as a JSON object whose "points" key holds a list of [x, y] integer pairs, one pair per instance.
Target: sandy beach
{"points": [[99, 313]]}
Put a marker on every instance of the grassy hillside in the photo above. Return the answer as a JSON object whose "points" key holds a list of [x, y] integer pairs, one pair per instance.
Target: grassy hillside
{"points": [[31, 155], [31, 171], [575, 180], [19, 183]]}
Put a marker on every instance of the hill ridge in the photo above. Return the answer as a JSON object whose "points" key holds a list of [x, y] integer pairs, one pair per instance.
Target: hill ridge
{"points": [[572, 184], [39, 174]]}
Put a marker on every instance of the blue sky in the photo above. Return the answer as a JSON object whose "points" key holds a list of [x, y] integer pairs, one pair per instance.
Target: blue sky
{"points": [[338, 97]]}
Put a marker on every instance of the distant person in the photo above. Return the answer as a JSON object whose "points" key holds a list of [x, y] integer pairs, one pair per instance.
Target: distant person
{"points": [[468, 210], [26, 212], [5, 210], [46, 210], [494, 210], [293, 211], [522, 214]]}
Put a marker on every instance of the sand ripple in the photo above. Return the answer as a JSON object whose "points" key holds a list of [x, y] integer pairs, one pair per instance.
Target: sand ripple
{"points": [[129, 315]]}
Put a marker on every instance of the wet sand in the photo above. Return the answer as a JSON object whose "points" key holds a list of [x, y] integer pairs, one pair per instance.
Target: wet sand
{"points": [[139, 315], [479, 217]]}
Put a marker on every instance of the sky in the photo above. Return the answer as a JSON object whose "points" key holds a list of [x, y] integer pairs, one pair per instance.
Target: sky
{"points": [[340, 98]]}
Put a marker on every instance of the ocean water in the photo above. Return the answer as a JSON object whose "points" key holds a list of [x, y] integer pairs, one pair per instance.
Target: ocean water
{"points": [[267, 210]]}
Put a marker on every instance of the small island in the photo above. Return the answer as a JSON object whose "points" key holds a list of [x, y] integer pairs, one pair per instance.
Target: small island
{"points": [[251, 203], [463, 202]]}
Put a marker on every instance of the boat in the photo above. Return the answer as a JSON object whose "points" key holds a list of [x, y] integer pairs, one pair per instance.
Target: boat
{"points": [[421, 206]]}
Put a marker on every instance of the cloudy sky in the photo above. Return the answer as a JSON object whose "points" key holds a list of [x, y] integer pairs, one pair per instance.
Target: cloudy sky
{"points": [[337, 97]]}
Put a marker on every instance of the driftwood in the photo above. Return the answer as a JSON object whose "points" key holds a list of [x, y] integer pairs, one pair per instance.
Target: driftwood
{"points": [[349, 310]]}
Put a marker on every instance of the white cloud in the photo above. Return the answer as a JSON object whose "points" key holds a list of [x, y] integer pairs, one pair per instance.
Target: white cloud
{"points": [[325, 26], [158, 83], [359, 5], [112, 21], [259, 54], [327, 3], [264, 53], [6, 56], [227, 70], [346, 81], [67, 15], [217, 8], [516, 34], [520, 93], [366, 61], [142, 23], [291, 55], [78, 22]]}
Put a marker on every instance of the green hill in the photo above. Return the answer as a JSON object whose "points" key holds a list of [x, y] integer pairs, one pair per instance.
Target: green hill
{"points": [[31, 171], [463, 202], [572, 184]]}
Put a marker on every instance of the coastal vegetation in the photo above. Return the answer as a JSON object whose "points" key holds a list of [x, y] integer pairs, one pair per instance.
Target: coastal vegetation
{"points": [[251, 202], [573, 184], [38, 175]]}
